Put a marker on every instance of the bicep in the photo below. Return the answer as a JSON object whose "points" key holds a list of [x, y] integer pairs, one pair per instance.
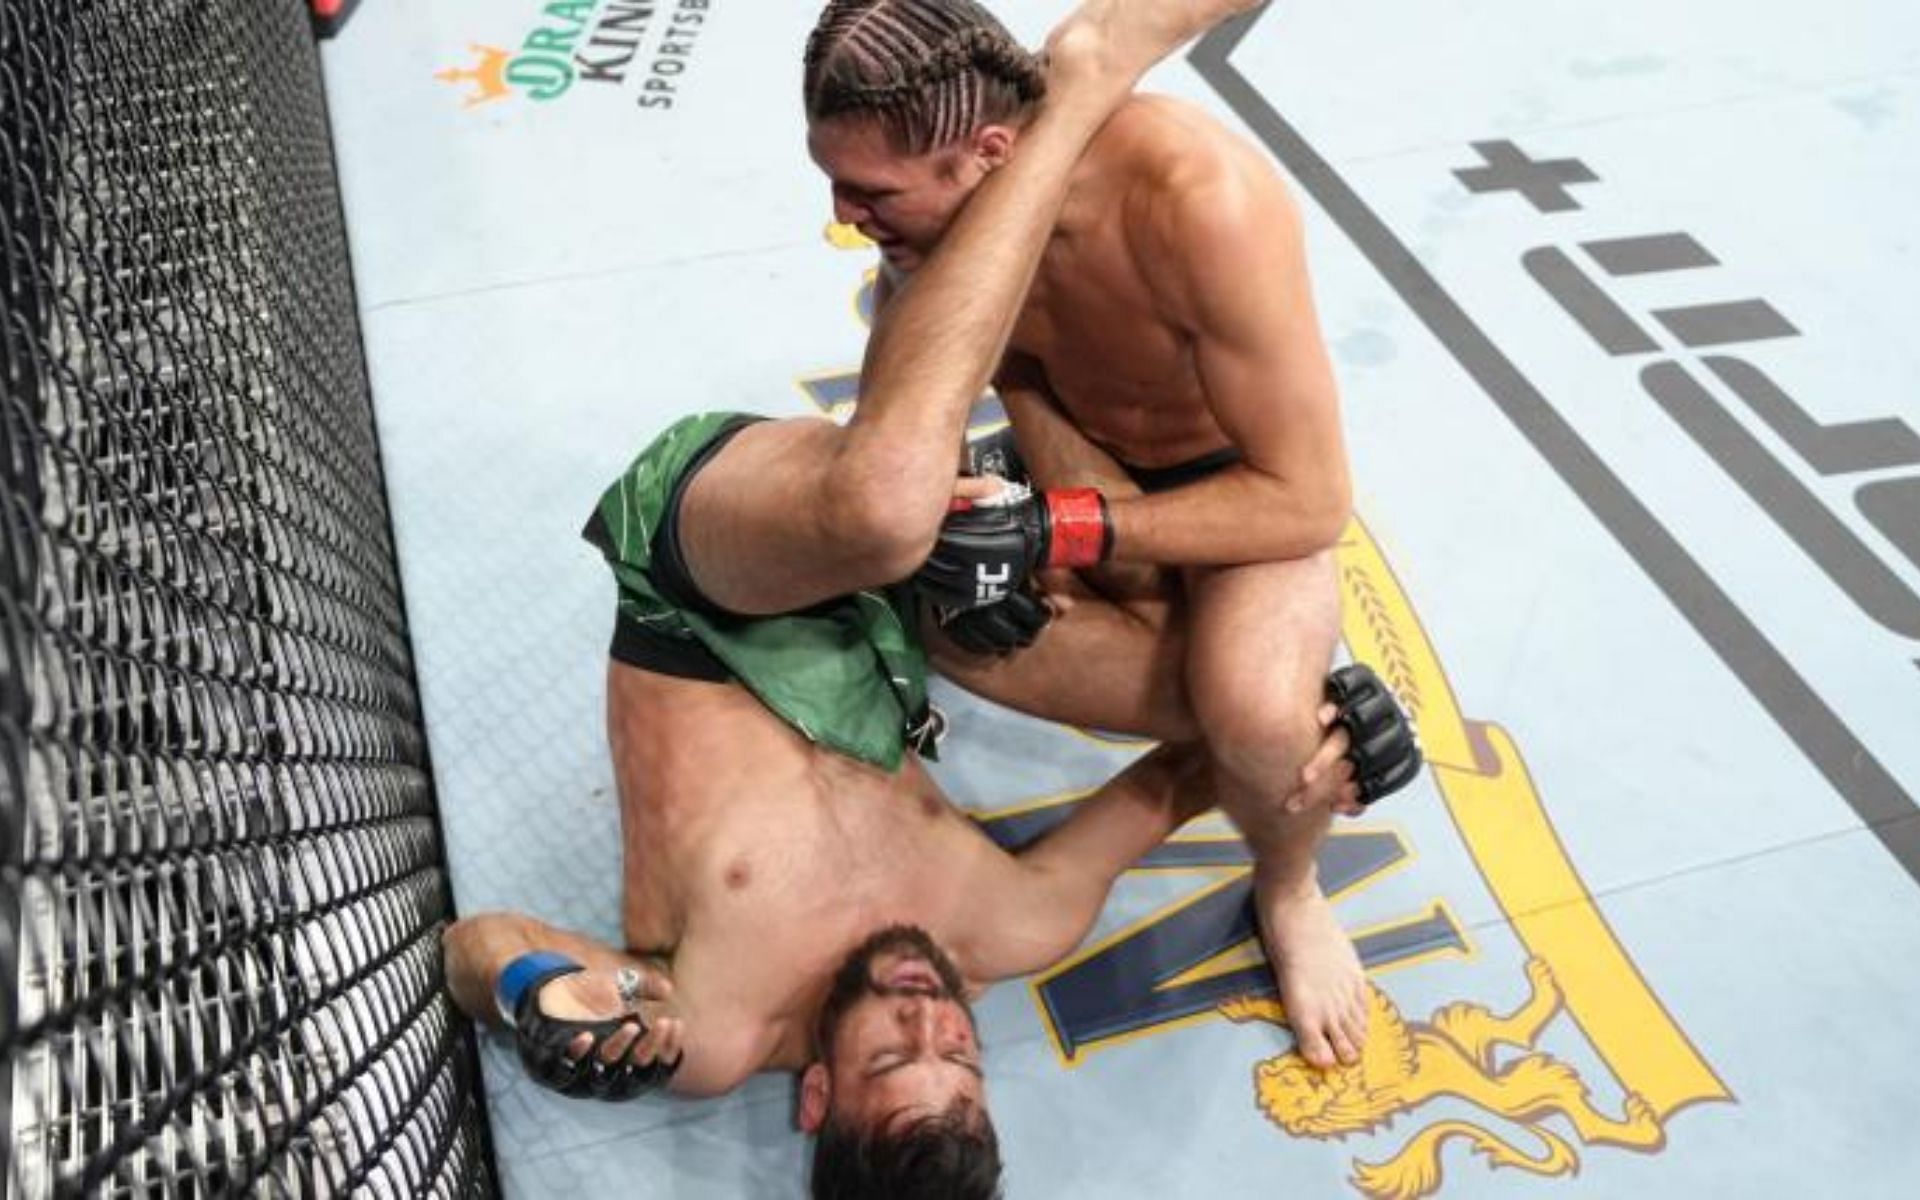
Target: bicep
{"points": [[721, 1057], [1027, 925]]}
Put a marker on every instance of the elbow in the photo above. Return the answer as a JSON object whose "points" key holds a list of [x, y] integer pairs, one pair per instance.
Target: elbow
{"points": [[1048, 941], [1326, 517], [1311, 525], [1323, 528]]}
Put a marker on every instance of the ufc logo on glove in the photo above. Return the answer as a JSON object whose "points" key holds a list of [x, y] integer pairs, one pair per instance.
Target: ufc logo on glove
{"points": [[990, 586]]}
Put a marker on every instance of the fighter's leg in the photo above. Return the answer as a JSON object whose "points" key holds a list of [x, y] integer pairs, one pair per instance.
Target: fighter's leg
{"points": [[1113, 658], [1260, 642], [1097, 664], [860, 507]]}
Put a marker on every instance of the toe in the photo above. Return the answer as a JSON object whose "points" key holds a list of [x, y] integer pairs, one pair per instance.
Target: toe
{"points": [[1343, 1047], [1315, 1048], [1353, 1031]]}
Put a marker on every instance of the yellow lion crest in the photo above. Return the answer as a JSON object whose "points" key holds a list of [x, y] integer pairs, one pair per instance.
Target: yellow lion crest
{"points": [[1406, 1064]]}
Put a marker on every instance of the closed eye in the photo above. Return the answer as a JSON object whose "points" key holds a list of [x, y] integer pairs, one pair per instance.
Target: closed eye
{"points": [[885, 1063], [867, 195], [961, 1060]]}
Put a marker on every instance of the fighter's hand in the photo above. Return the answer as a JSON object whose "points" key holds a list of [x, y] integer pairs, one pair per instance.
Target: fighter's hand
{"points": [[1385, 754], [999, 629], [977, 488], [994, 455], [989, 546], [1327, 779], [599, 994], [1112, 42]]}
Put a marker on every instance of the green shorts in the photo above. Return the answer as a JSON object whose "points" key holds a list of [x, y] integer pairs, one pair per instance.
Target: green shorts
{"points": [[849, 673]]}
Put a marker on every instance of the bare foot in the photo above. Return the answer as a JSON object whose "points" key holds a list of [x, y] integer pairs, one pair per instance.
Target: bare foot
{"points": [[1322, 983], [1115, 41]]}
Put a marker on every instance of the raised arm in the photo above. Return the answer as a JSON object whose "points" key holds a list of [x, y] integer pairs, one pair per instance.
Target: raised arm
{"points": [[935, 345], [835, 511]]}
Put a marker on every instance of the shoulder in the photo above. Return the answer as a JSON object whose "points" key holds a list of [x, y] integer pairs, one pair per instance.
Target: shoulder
{"points": [[1173, 160], [722, 1055], [1196, 197]]}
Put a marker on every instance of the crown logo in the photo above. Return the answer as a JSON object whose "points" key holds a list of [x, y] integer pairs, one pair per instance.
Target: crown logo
{"points": [[488, 74]]}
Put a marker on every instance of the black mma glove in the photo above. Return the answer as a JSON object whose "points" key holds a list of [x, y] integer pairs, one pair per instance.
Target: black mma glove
{"points": [[1384, 751], [995, 453], [999, 629], [987, 548]]}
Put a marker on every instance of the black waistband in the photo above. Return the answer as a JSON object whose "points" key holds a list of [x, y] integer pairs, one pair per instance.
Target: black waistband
{"points": [[1161, 479], [640, 645]]}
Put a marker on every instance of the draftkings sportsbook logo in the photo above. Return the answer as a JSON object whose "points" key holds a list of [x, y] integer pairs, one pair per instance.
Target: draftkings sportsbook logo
{"points": [[1197, 959], [637, 48]]}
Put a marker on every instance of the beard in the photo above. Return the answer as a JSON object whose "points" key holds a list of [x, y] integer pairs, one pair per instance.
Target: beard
{"points": [[854, 980]]}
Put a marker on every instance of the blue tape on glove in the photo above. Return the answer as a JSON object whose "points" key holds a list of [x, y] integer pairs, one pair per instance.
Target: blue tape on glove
{"points": [[520, 974]]}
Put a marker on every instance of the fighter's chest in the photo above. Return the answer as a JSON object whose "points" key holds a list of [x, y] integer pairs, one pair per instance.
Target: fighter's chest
{"points": [[852, 840], [1104, 339]]}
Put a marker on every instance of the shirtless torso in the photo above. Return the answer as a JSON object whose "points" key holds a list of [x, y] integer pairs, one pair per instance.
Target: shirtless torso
{"points": [[1118, 360], [1171, 316], [756, 859]]}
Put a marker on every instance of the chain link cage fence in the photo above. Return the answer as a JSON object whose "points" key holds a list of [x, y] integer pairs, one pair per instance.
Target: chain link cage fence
{"points": [[222, 888]]}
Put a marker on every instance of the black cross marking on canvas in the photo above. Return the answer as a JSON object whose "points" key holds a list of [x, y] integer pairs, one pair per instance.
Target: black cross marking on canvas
{"points": [[1543, 183]]}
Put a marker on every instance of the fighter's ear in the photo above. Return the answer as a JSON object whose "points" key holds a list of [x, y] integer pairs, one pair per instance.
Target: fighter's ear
{"points": [[993, 144], [816, 1093]]}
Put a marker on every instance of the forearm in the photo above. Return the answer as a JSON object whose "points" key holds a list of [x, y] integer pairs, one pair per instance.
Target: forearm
{"points": [[478, 948], [1240, 515], [1056, 453]]}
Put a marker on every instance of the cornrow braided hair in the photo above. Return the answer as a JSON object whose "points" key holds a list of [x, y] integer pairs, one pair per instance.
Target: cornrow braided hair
{"points": [[930, 71]]}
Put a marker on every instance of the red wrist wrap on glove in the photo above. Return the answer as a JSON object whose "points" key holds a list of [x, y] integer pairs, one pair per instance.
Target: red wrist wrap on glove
{"points": [[1080, 535]]}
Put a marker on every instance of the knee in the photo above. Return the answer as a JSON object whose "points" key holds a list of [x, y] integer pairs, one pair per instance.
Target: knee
{"points": [[1187, 772], [886, 516], [1257, 731]]}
